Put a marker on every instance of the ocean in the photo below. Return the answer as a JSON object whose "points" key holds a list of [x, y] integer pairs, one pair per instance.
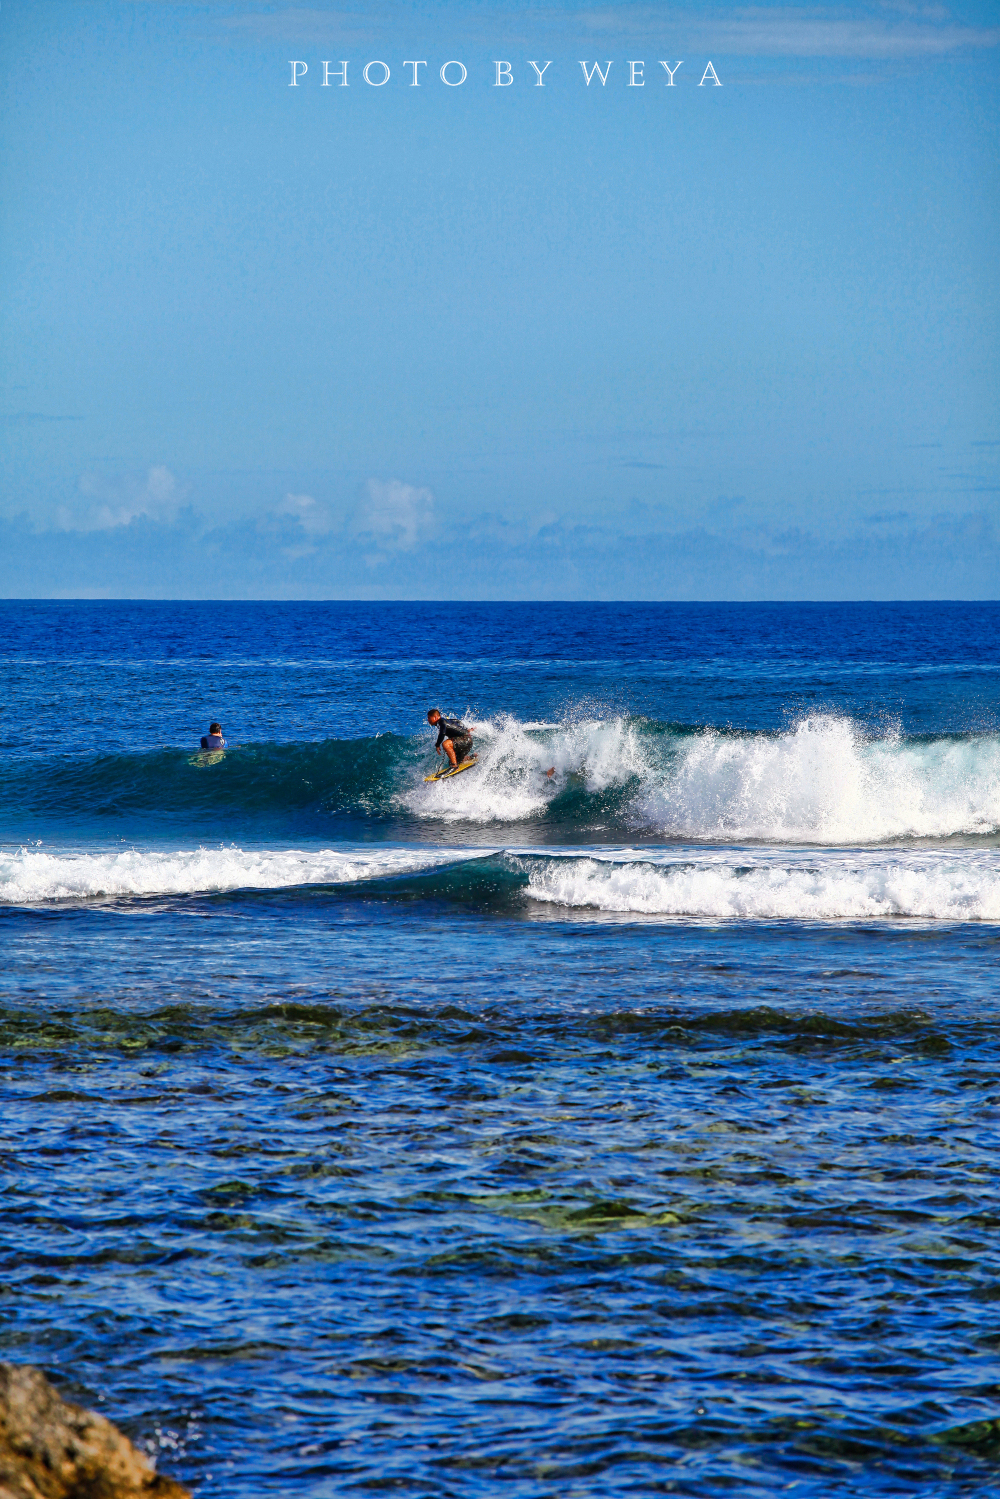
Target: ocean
{"points": [[631, 1129]]}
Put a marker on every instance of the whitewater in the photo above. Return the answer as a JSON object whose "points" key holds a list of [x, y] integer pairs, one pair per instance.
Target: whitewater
{"points": [[730, 885], [825, 780], [29, 874]]}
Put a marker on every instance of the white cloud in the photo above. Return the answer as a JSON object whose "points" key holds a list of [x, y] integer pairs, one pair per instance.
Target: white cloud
{"points": [[307, 23], [314, 518], [118, 502], [894, 30], [395, 515]]}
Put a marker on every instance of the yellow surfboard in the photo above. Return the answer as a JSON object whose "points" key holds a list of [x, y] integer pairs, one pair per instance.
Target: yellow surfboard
{"points": [[444, 775]]}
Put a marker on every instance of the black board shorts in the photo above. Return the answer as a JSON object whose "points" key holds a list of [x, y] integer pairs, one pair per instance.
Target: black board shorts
{"points": [[462, 747]]}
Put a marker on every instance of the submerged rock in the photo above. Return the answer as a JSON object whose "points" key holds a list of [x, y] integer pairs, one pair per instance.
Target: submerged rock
{"points": [[52, 1449], [982, 1437]]}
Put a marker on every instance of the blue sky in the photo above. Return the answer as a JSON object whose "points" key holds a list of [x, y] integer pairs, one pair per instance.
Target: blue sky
{"points": [[564, 341]]}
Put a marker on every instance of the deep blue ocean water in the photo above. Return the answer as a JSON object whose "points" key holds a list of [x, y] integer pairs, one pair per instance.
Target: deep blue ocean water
{"points": [[629, 1130]]}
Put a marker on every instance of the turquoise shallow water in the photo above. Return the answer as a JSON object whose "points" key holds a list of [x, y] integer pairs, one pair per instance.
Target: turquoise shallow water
{"points": [[634, 1133]]}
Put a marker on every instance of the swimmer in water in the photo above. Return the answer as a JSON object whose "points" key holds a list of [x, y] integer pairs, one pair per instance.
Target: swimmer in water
{"points": [[213, 740]]}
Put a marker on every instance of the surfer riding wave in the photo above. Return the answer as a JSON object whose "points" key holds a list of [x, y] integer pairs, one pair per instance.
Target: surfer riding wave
{"points": [[454, 737]]}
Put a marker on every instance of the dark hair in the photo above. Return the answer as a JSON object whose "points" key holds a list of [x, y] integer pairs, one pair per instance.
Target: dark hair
{"points": [[431, 712], [215, 728]]}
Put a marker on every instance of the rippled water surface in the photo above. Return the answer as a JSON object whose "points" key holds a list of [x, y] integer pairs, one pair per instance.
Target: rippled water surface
{"points": [[633, 1129]]}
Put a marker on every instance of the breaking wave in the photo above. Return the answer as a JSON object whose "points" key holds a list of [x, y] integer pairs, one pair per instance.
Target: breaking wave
{"points": [[738, 888], [696, 884], [823, 781], [28, 876], [826, 780]]}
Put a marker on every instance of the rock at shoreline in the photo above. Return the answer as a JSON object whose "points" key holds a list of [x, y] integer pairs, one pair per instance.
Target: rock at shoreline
{"points": [[51, 1449]]}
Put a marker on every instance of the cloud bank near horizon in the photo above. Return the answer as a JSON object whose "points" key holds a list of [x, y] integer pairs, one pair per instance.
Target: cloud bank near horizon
{"points": [[392, 545]]}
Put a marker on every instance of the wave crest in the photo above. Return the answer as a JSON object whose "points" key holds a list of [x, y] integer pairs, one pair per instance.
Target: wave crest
{"points": [[734, 885], [28, 876], [825, 781], [852, 888], [600, 761]]}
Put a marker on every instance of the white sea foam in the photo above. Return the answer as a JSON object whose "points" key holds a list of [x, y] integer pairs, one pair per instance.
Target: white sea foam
{"points": [[739, 886], [827, 782], [510, 782], [730, 884], [28, 875], [824, 781]]}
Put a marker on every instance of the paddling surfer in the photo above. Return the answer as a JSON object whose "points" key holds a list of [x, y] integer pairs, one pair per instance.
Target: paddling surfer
{"points": [[213, 740], [454, 737]]}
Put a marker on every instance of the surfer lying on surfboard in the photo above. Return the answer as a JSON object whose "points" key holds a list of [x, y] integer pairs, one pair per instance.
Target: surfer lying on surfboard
{"points": [[454, 737]]}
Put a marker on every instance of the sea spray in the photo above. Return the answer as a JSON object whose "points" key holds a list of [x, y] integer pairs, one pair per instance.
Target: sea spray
{"points": [[603, 758], [825, 781]]}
